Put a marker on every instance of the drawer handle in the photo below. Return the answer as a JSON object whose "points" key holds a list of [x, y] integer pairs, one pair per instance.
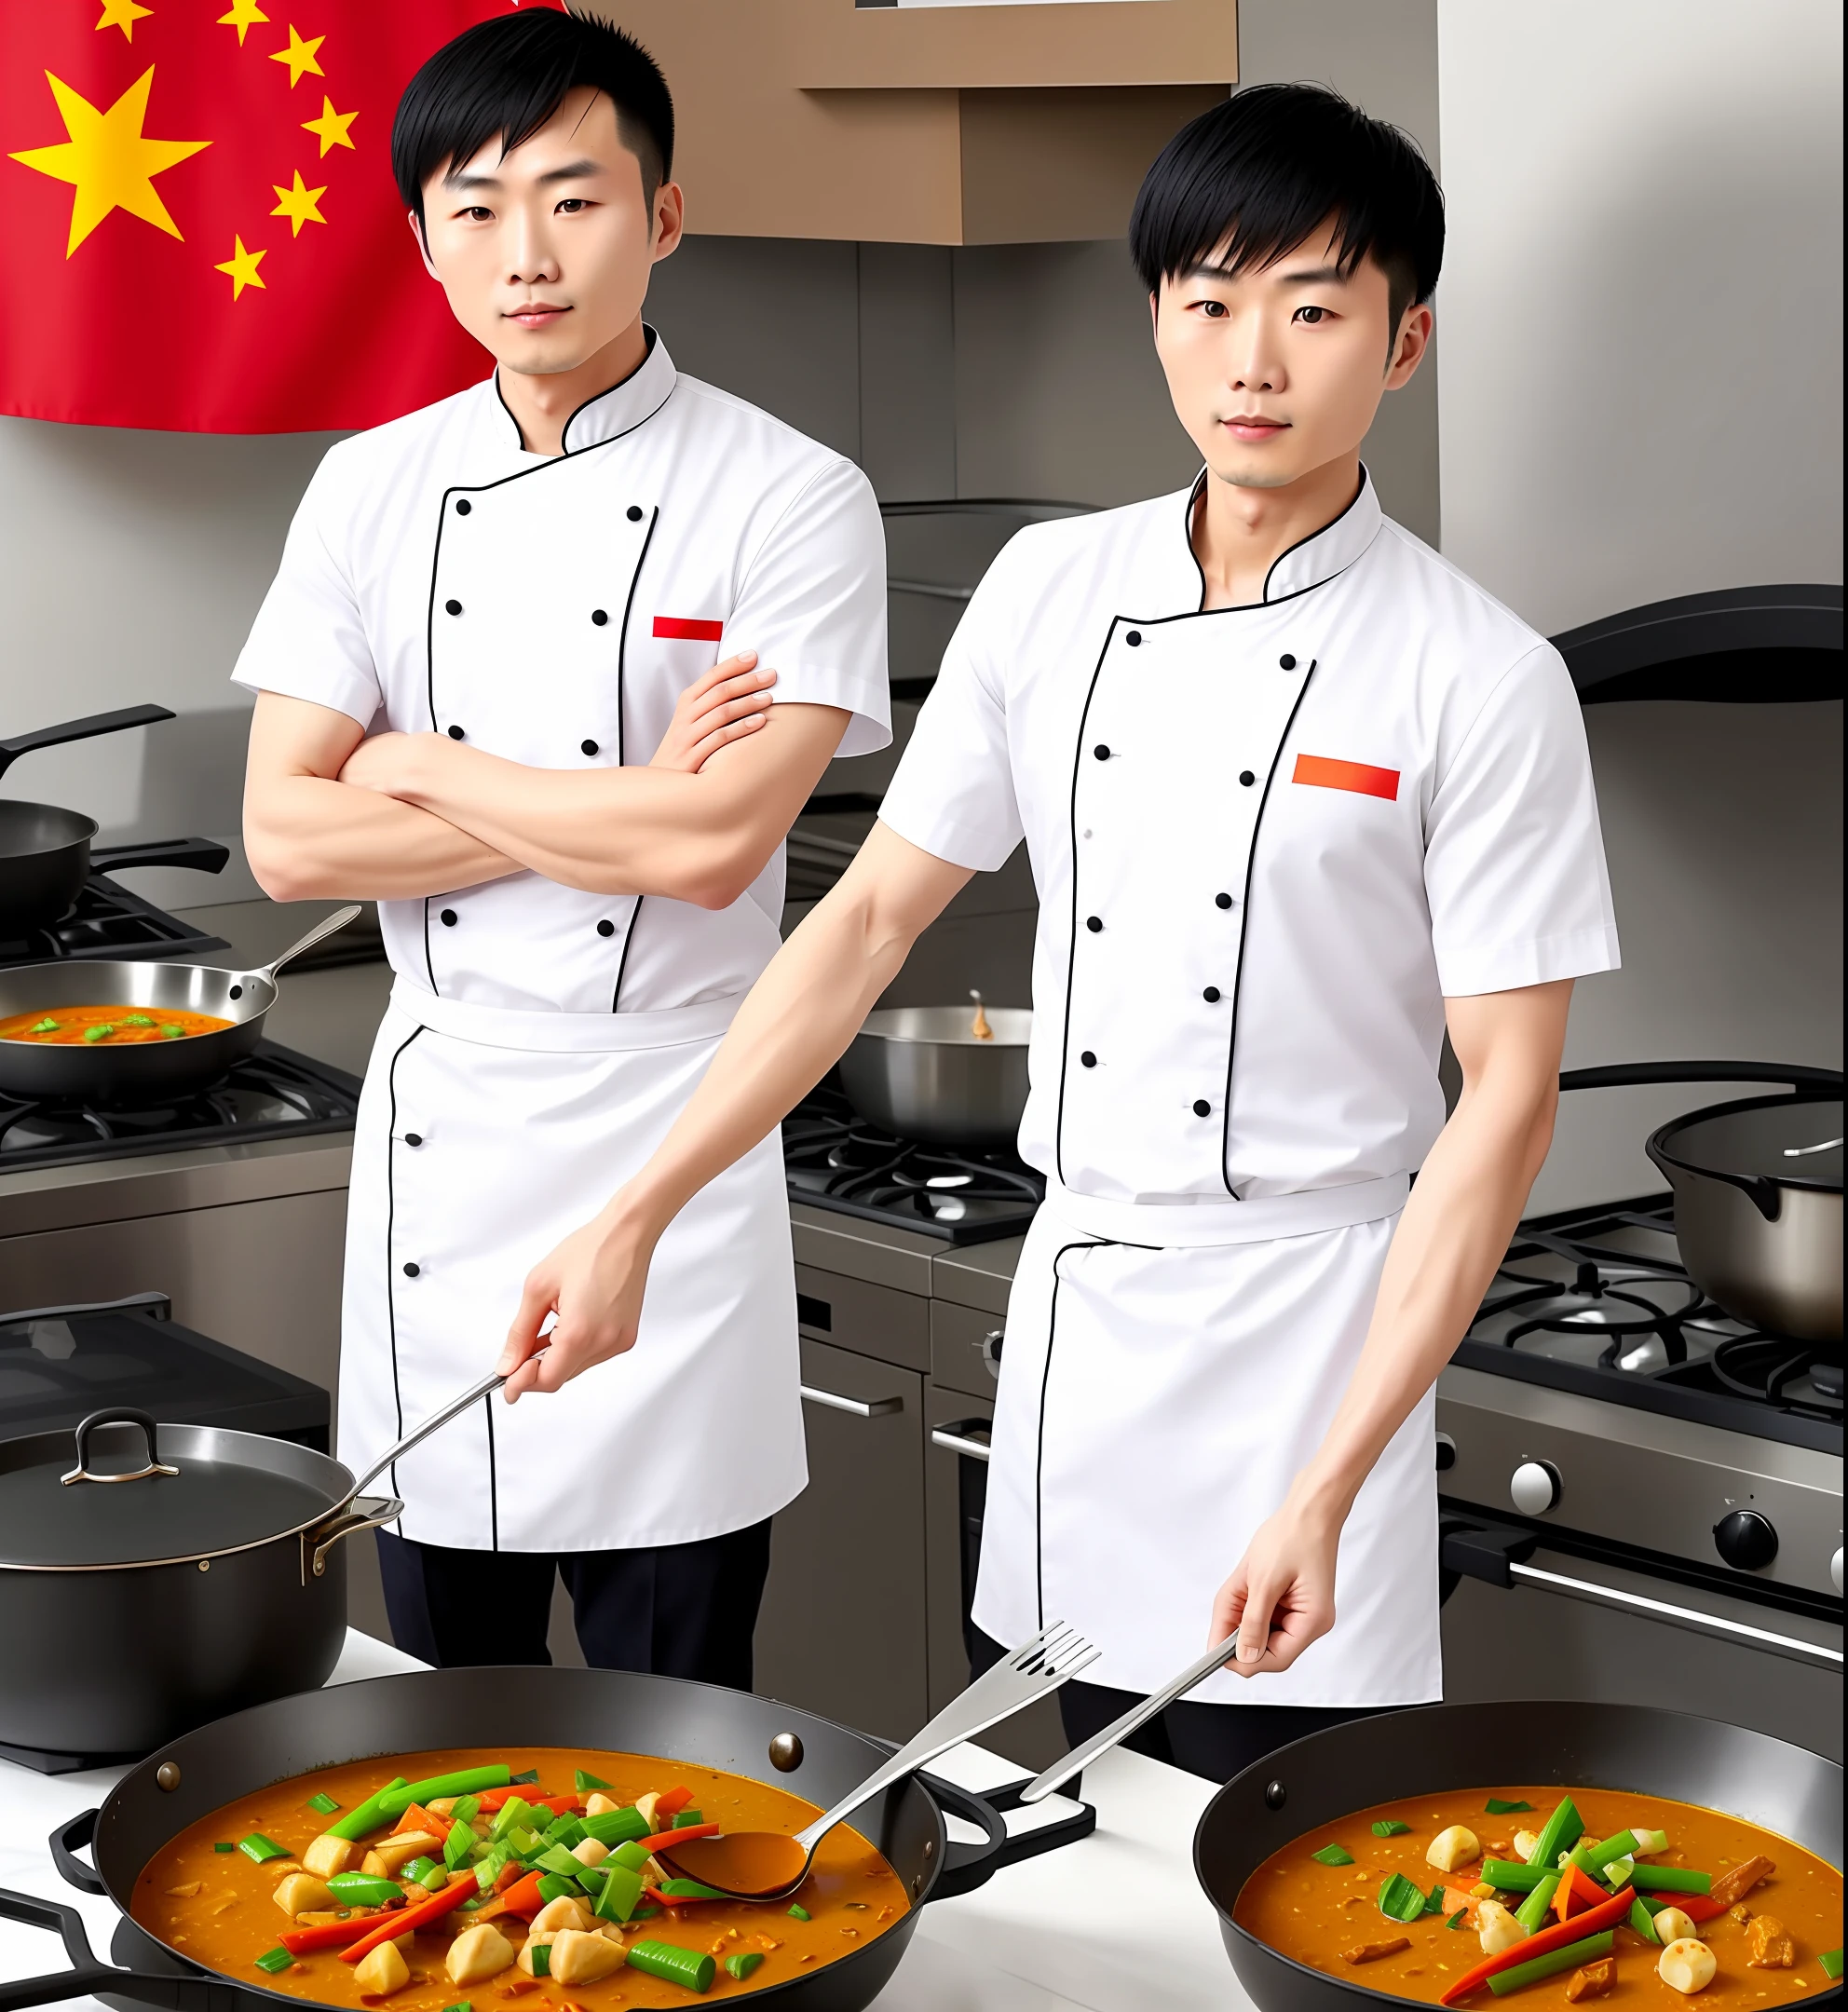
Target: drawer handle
{"points": [[955, 1443], [858, 1407]]}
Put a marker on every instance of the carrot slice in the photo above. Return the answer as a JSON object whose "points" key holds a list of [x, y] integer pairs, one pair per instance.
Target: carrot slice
{"points": [[523, 1897], [492, 1801], [1576, 1887], [405, 1921], [670, 1801], [1560, 1935], [416, 1818], [680, 1836], [327, 1935]]}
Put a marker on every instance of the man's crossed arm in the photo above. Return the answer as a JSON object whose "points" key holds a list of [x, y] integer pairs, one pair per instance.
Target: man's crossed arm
{"points": [[329, 813]]}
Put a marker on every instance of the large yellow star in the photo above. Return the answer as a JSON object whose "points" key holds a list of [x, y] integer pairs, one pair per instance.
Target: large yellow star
{"points": [[330, 129], [298, 204], [122, 14], [242, 268], [108, 160], [244, 16], [300, 56]]}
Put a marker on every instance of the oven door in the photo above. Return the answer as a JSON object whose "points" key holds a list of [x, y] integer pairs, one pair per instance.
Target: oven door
{"points": [[1523, 1620]]}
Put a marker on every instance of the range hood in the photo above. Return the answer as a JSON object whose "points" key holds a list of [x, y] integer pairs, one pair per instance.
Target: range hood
{"points": [[1742, 644]]}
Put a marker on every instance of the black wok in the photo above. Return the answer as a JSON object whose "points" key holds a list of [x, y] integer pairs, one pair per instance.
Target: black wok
{"points": [[140, 1072], [45, 853], [484, 1708], [1432, 1747]]}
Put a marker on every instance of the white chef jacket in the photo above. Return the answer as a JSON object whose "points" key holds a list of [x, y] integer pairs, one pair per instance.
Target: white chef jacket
{"points": [[1269, 841], [541, 1038]]}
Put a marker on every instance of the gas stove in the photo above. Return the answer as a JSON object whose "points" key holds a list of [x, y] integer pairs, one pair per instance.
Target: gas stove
{"points": [[108, 921], [274, 1094], [833, 1159]]}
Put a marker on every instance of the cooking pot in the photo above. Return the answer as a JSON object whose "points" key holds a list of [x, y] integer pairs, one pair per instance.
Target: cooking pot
{"points": [[1757, 1209], [141, 1072], [45, 853], [523, 1706], [156, 1577], [922, 1072], [1435, 1747]]}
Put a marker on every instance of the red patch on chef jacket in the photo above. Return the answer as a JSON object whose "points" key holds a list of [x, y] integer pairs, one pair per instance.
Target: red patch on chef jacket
{"points": [[685, 629], [1325, 773]]}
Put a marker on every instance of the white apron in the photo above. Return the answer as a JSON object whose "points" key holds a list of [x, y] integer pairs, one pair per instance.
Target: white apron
{"points": [[1269, 841], [485, 1137]]}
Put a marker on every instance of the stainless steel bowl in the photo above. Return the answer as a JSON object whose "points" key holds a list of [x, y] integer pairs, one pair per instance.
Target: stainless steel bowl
{"points": [[920, 1071]]}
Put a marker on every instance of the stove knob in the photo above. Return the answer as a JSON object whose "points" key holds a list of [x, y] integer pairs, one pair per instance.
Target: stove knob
{"points": [[1746, 1539], [1835, 1568], [1535, 1487], [1447, 1452]]}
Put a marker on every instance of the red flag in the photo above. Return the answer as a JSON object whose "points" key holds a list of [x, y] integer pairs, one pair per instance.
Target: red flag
{"points": [[201, 229]]}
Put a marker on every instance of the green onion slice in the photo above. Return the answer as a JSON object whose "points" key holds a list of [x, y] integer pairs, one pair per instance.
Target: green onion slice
{"points": [[323, 1805], [1830, 1960], [260, 1850], [1391, 1827], [741, 1964], [801, 1913], [524, 1781], [1458, 1919], [1497, 1807], [541, 1959], [1333, 1854], [225, 1847], [276, 1960], [1400, 1900], [584, 1781]]}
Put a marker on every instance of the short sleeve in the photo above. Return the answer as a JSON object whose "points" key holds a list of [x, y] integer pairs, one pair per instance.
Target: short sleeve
{"points": [[308, 640], [1514, 867], [812, 605], [953, 794]]}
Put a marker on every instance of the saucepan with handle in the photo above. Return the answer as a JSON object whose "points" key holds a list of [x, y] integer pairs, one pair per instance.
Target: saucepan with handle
{"points": [[141, 1072], [943, 1075]]}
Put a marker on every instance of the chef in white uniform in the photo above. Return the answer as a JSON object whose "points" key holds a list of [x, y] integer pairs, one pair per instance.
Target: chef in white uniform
{"points": [[488, 619], [1295, 792]]}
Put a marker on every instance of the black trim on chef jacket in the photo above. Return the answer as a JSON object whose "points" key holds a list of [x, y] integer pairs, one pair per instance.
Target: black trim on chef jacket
{"points": [[622, 738], [1364, 479], [390, 1217], [473, 489], [493, 1475]]}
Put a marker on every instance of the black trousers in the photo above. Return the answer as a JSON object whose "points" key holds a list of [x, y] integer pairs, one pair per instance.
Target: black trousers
{"points": [[684, 1610], [1217, 1741]]}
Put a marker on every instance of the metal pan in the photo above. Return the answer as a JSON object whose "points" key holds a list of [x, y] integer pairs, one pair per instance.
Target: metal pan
{"points": [[1435, 1747], [920, 1071], [524, 1706], [150, 1072], [44, 854]]}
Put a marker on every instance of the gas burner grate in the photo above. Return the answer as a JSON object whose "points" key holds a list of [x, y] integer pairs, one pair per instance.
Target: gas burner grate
{"points": [[273, 1093], [1776, 1370], [833, 1159], [108, 921]]}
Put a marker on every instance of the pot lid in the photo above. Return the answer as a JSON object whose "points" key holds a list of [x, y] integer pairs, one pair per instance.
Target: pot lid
{"points": [[122, 1491], [1795, 1141]]}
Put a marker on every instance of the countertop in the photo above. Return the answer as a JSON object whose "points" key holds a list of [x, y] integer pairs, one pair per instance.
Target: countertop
{"points": [[1111, 1923]]}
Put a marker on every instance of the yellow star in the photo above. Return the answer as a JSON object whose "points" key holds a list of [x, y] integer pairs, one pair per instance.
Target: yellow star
{"points": [[122, 14], [330, 129], [298, 205], [300, 56], [242, 268], [108, 160], [244, 16]]}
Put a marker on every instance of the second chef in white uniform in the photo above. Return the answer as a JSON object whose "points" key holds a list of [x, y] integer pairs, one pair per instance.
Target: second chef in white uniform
{"points": [[1297, 794], [514, 617]]}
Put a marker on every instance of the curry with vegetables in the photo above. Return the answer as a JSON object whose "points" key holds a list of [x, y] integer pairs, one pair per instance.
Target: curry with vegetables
{"points": [[1469, 1896], [112, 1027], [470, 1881]]}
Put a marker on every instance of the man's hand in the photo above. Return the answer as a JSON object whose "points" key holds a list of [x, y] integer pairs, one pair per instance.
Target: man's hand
{"points": [[1281, 1596], [593, 1284], [732, 700]]}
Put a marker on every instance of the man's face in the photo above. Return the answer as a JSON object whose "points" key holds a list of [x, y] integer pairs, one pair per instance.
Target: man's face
{"points": [[1278, 372], [545, 254]]}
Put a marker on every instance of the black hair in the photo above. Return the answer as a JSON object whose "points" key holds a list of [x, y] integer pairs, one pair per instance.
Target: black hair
{"points": [[506, 77], [1251, 179]]}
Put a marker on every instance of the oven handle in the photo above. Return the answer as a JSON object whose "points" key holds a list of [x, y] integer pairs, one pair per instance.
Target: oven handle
{"points": [[1498, 1555], [955, 1443], [857, 1406]]}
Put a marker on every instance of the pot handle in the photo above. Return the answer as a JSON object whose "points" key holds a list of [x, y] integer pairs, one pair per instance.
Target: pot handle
{"points": [[66, 1842], [203, 855], [79, 729], [363, 1513], [117, 1415], [87, 1976], [966, 1867]]}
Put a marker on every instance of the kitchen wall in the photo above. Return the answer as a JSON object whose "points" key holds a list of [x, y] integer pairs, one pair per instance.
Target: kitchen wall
{"points": [[1641, 396]]}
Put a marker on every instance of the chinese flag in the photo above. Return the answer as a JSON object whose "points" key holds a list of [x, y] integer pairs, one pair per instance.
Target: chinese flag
{"points": [[201, 229]]}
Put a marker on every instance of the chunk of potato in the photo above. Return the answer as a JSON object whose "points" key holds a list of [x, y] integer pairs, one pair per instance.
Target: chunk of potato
{"points": [[563, 1912], [1453, 1848], [600, 1804], [329, 1854], [301, 1893], [477, 1954], [1686, 1965], [389, 1853], [1497, 1929], [1672, 1925], [579, 1958], [645, 1805], [589, 1852], [1768, 1943], [1736, 1884], [383, 1972], [1525, 1841]]}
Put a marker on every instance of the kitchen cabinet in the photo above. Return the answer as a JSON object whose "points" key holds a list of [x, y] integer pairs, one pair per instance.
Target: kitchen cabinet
{"points": [[815, 118]]}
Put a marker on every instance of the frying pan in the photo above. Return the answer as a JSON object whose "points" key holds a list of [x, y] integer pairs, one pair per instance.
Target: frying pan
{"points": [[141, 1072], [45, 855], [611, 1709], [1434, 1747]]}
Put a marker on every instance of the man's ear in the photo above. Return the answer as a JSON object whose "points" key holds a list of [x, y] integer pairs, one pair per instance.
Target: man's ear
{"points": [[1414, 339], [418, 232], [1154, 312], [670, 220]]}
